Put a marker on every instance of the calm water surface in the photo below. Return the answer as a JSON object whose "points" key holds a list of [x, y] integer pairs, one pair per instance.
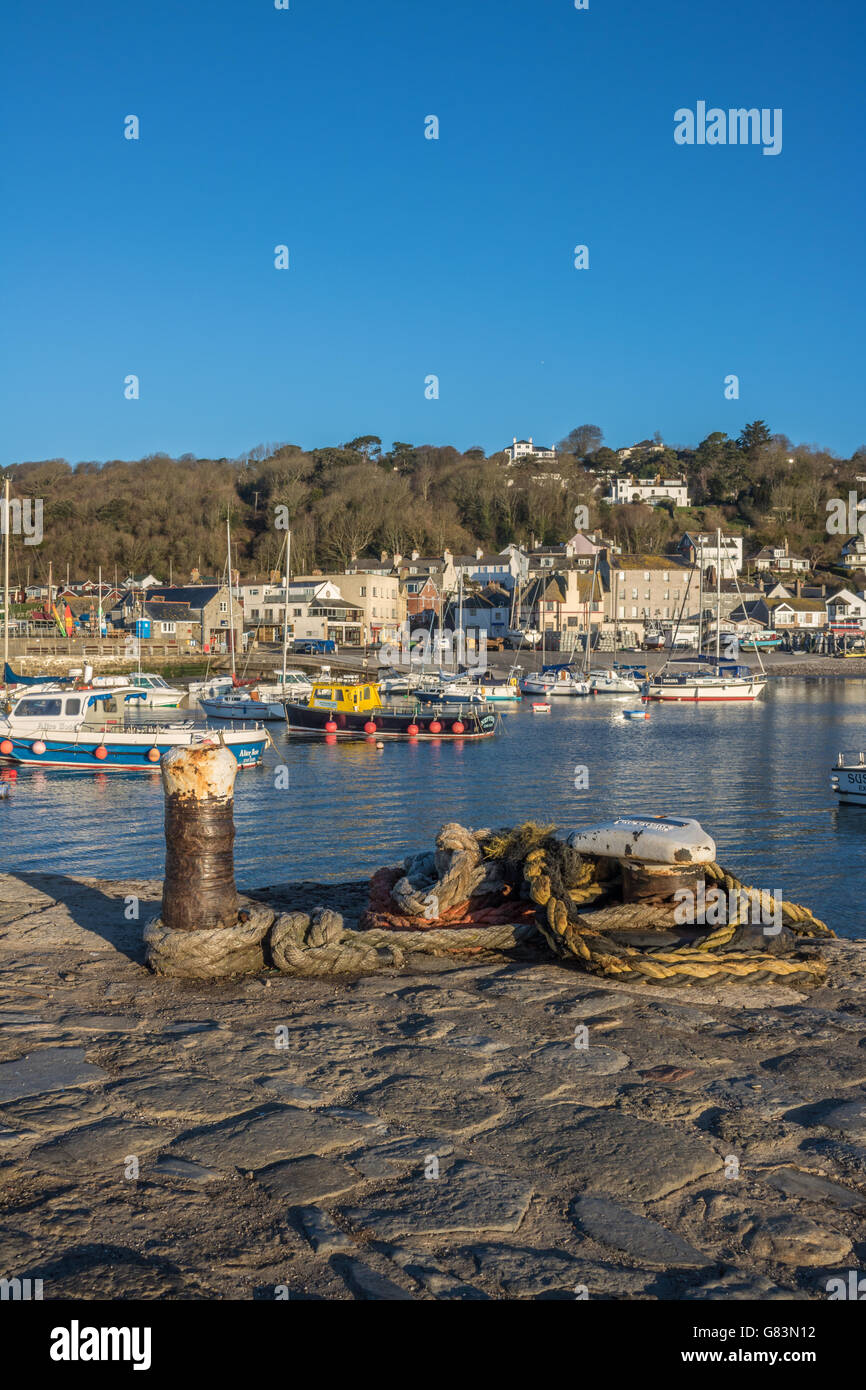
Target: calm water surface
{"points": [[757, 777]]}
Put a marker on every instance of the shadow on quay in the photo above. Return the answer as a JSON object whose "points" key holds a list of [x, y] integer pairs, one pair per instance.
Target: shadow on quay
{"points": [[114, 912]]}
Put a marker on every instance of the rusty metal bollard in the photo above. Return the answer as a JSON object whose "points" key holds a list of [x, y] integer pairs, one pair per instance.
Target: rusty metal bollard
{"points": [[206, 930], [199, 890]]}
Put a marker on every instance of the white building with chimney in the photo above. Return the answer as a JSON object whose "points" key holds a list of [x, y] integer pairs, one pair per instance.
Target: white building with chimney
{"points": [[521, 449], [649, 490]]}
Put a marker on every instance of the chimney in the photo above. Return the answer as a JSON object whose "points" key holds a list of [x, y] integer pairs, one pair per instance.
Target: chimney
{"points": [[478, 552], [383, 556], [530, 441], [798, 588], [514, 440], [396, 560], [414, 555]]}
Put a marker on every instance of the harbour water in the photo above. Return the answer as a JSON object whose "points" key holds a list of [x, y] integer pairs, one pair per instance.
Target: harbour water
{"points": [[756, 776]]}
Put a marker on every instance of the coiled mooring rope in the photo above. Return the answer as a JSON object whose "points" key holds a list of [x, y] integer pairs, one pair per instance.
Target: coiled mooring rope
{"points": [[573, 935], [565, 888]]}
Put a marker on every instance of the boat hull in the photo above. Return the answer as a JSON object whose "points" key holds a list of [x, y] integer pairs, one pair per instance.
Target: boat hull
{"points": [[242, 709], [849, 784], [698, 694], [389, 723], [124, 752]]}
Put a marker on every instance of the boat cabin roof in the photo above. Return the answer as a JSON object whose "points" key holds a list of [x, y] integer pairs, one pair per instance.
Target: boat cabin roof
{"points": [[60, 704], [346, 696]]}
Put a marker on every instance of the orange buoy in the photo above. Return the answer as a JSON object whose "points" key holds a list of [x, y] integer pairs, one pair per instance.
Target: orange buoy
{"points": [[412, 730], [6, 747], [38, 747], [101, 752], [435, 727], [458, 727], [370, 727], [153, 755], [331, 726]]}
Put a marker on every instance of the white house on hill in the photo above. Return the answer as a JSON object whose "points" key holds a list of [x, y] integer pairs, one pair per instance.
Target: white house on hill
{"points": [[652, 491], [520, 449]]}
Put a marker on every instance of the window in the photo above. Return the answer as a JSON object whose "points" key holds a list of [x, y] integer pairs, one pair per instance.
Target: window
{"points": [[363, 591], [73, 706], [634, 612], [646, 575], [667, 593], [224, 608], [634, 595], [572, 622], [666, 577], [168, 627], [38, 709], [297, 612]]}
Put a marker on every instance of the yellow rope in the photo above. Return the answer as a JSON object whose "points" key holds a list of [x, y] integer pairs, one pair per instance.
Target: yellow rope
{"points": [[702, 960]]}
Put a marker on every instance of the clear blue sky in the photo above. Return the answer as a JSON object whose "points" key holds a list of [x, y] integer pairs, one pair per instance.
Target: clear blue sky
{"points": [[412, 256]]}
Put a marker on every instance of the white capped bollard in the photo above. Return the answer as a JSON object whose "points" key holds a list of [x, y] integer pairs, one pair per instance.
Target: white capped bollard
{"points": [[205, 930]]}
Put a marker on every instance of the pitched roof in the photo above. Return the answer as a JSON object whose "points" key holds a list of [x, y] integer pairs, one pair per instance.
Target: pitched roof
{"points": [[169, 612], [649, 562], [800, 605], [196, 595]]}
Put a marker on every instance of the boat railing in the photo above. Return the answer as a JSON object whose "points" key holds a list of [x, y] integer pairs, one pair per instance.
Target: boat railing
{"points": [[858, 758]]}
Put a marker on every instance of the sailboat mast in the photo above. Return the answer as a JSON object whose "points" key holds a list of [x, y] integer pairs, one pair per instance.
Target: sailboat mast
{"points": [[6, 529], [700, 595], [231, 603], [589, 615], [286, 604], [718, 591]]}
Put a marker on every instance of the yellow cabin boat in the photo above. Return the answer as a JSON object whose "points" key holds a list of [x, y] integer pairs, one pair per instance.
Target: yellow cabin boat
{"points": [[343, 707]]}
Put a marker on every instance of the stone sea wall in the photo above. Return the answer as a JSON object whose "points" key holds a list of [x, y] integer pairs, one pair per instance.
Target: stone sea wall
{"points": [[462, 1129]]}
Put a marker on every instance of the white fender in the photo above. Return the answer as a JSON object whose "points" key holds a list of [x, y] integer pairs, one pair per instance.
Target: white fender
{"points": [[656, 840]]}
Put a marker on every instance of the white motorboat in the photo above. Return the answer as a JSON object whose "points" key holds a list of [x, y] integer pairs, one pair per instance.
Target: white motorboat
{"points": [[848, 779], [156, 692], [87, 730], [210, 689], [495, 691], [243, 704], [613, 682], [286, 685], [555, 682]]}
